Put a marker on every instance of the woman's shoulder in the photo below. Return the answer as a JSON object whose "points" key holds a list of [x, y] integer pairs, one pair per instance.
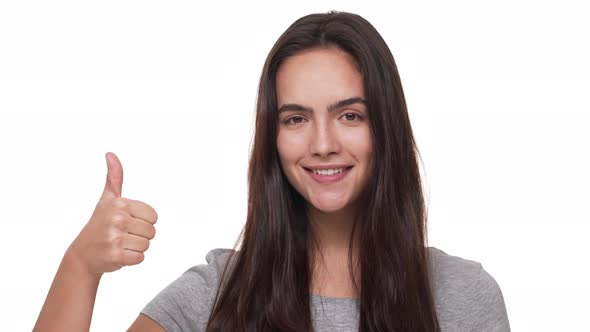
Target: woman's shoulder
{"points": [[216, 259], [465, 294], [447, 268], [209, 273], [218, 255], [185, 303], [451, 274]]}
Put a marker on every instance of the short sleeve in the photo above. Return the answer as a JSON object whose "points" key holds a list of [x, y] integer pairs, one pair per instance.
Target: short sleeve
{"points": [[185, 304], [487, 308]]}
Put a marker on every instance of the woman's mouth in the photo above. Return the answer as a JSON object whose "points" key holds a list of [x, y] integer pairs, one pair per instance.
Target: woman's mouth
{"points": [[326, 176]]}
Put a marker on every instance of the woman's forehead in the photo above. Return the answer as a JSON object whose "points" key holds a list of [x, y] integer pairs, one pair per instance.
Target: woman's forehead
{"points": [[318, 75]]}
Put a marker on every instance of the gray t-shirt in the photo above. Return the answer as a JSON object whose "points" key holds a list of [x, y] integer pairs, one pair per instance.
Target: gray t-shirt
{"points": [[467, 298]]}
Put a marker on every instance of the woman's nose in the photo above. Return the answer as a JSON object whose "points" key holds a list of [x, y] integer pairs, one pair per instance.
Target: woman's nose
{"points": [[324, 140]]}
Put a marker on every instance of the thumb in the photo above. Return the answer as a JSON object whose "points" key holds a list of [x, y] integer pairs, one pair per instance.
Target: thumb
{"points": [[114, 182]]}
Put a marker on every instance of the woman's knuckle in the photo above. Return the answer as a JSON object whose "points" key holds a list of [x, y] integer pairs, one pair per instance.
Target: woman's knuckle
{"points": [[116, 256], [120, 221], [117, 217], [117, 242], [121, 203]]}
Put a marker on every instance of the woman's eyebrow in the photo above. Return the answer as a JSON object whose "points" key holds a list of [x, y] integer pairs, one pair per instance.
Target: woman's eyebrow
{"points": [[331, 107]]}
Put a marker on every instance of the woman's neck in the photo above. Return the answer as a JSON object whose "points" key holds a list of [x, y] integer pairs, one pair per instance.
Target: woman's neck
{"points": [[332, 230], [331, 267]]}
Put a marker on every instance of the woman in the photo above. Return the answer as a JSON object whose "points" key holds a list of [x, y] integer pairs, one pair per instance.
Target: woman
{"points": [[335, 237]]}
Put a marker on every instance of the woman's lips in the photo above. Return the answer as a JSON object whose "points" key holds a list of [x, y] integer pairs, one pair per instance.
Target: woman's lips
{"points": [[325, 179]]}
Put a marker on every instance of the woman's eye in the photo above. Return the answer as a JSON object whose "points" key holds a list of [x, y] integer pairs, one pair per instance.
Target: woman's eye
{"points": [[292, 120], [352, 116], [298, 119]]}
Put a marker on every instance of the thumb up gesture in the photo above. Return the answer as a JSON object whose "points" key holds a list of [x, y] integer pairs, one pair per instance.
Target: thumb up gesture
{"points": [[119, 230]]}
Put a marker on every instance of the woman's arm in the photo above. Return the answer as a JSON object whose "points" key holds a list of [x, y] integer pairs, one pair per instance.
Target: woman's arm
{"points": [[117, 235], [145, 324], [70, 301]]}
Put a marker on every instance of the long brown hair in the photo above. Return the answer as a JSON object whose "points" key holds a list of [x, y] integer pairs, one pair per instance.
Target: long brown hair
{"points": [[267, 287]]}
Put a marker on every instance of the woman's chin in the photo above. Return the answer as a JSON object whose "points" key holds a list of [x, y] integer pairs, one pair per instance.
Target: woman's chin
{"points": [[328, 205]]}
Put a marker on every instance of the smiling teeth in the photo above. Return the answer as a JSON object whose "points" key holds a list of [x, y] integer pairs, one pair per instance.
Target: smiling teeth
{"points": [[328, 171]]}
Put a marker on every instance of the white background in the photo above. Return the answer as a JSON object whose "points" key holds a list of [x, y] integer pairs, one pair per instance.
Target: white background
{"points": [[497, 94]]}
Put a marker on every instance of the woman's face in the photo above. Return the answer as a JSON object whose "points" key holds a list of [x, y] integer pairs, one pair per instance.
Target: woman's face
{"points": [[323, 124]]}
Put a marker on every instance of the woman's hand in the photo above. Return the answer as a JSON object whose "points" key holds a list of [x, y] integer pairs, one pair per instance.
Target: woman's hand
{"points": [[119, 230]]}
